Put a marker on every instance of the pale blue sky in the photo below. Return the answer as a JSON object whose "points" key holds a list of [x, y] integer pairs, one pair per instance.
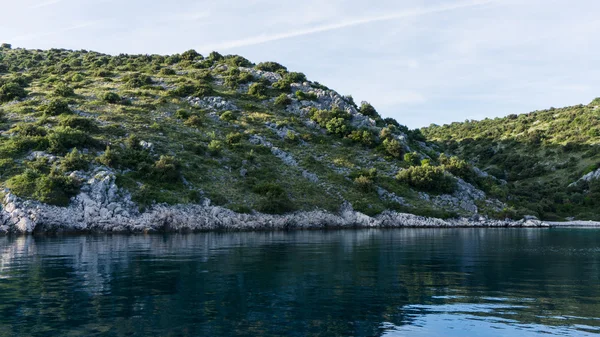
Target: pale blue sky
{"points": [[419, 61]]}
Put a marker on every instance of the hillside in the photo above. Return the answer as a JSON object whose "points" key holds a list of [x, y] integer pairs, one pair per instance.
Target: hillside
{"points": [[549, 158], [219, 130]]}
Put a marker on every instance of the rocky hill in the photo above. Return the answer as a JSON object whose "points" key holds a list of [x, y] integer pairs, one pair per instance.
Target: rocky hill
{"points": [[550, 158], [89, 140]]}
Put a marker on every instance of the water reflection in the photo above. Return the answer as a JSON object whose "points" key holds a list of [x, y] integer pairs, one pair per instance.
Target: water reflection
{"points": [[366, 283]]}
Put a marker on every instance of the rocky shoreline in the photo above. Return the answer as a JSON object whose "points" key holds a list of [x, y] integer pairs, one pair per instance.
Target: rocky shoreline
{"points": [[103, 207]]}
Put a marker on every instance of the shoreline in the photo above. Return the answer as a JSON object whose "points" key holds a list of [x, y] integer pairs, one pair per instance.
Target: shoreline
{"points": [[102, 207]]}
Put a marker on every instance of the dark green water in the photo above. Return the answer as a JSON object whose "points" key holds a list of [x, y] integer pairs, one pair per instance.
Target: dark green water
{"points": [[411, 282]]}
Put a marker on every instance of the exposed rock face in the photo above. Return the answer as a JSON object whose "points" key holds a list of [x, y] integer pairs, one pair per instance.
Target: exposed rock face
{"points": [[102, 206], [588, 177]]}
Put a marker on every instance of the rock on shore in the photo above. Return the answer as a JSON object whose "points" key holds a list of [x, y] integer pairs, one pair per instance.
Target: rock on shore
{"points": [[103, 207]]}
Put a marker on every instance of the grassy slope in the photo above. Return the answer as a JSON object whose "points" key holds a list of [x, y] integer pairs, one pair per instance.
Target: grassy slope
{"points": [[540, 154], [200, 159]]}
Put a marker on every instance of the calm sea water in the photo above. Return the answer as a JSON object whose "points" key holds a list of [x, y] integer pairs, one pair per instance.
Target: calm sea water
{"points": [[407, 282]]}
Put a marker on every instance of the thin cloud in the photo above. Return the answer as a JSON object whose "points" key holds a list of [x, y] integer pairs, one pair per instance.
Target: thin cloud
{"points": [[44, 4], [264, 38], [33, 36]]}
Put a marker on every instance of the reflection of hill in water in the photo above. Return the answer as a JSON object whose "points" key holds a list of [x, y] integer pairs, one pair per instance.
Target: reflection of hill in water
{"points": [[298, 283]]}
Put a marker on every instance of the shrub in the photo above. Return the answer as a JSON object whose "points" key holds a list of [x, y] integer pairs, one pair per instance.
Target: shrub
{"points": [[215, 56], [301, 95], [274, 198], [283, 85], [337, 126], [5, 46], [137, 80], [74, 161], [258, 90], [61, 139], [362, 136], [109, 158], [291, 137], [182, 114], [412, 158], [167, 72], [10, 91], [215, 147], [393, 147], [167, 168], [190, 55], [456, 166], [270, 66], [233, 138], [227, 116], [103, 73], [111, 97], [193, 121], [238, 61], [295, 77], [29, 130], [63, 90], [364, 183], [57, 107], [368, 110], [79, 123], [283, 100], [427, 178], [53, 189], [77, 78]]}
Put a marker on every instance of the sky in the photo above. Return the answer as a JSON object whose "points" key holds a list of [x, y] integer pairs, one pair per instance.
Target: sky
{"points": [[418, 61]]}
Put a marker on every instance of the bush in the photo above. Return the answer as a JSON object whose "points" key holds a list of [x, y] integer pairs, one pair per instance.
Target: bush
{"points": [[53, 189], [427, 178], [109, 158], [57, 107], [63, 90], [364, 183], [393, 147], [227, 116], [283, 100], [193, 121], [167, 72], [362, 136], [301, 95], [412, 159], [270, 66], [137, 80], [10, 91], [291, 137], [29, 130], [111, 97], [167, 168], [64, 138], [190, 55], [215, 147], [274, 198], [368, 110], [258, 90], [103, 73], [233, 138], [74, 161], [295, 77], [456, 166], [79, 123], [337, 126]]}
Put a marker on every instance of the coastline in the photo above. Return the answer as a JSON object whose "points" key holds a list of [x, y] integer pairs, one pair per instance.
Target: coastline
{"points": [[102, 207]]}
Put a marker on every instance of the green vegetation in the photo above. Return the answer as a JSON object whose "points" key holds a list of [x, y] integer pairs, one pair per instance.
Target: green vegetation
{"points": [[539, 154], [180, 128]]}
